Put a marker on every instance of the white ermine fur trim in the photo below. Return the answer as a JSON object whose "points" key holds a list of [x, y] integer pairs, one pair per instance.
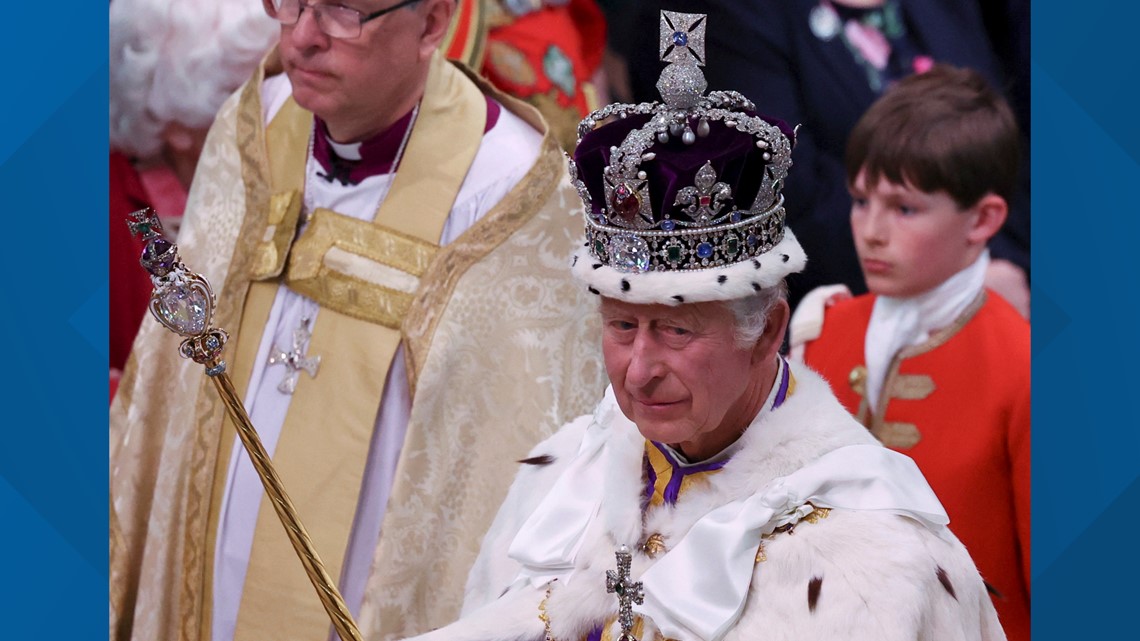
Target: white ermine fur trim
{"points": [[691, 286]]}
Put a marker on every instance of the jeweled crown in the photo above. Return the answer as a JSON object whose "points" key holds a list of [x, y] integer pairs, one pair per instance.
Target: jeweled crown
{"points": [[691, 183]]}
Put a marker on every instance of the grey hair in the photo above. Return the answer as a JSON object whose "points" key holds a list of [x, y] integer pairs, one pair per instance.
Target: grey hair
{"points": [[751, 313], [177, 61]]}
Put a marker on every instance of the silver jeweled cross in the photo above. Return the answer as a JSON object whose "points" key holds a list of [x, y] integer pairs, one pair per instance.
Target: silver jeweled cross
{"points": [[628, 592], [295, 360], [682, 37]]}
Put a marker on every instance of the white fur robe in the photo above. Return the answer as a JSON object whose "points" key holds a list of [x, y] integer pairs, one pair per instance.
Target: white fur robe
{"points": [[852, 575]]}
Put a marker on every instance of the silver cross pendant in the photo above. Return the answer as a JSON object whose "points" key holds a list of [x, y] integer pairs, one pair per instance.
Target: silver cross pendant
{"points": [[628, 592], [295, 360]]}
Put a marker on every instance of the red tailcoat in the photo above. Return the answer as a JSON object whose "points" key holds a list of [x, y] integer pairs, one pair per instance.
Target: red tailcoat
{"points": [[958, 404]]}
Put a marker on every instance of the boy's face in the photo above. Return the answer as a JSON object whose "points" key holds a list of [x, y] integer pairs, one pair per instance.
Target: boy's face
{"points": [[910, 241]]}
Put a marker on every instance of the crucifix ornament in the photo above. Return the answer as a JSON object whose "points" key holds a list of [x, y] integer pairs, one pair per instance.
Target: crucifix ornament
{"points": [[295, 360], [628, 592]]}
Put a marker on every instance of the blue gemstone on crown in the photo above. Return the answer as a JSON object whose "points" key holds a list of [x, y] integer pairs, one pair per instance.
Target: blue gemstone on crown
{"points": [[668, 224], [736, 216], [704, 250], [680, 38]]}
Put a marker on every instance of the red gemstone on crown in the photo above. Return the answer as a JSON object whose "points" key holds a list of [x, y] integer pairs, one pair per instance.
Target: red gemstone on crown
{"points": [[705, 200], [626, 202]]}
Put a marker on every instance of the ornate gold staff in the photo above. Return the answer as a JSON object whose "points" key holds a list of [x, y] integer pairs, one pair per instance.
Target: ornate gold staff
{"points": [[184, 303]]}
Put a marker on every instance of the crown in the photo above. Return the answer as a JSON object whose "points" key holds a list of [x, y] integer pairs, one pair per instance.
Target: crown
{"points": [[692, 183]]}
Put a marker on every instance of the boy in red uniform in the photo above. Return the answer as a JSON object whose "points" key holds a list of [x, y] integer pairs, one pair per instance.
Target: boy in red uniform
{"points": [[934, 364]]}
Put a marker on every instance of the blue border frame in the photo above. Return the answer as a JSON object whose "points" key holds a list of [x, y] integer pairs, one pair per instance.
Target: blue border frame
{"points": [[1086, 164], [53, 466], [1086, 168]]}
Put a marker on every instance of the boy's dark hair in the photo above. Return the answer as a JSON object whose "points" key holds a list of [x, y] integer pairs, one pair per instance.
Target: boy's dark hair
{"points": [[943, 130]]}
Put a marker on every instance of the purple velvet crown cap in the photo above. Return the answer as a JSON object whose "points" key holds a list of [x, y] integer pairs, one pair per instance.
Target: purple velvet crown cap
{"points": [[732, 154]]}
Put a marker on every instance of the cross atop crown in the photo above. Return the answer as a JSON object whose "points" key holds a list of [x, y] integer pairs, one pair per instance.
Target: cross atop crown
{"points": [[683, 37]]}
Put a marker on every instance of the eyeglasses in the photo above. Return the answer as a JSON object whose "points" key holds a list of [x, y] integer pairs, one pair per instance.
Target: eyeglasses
{"points": [[334, 20]]}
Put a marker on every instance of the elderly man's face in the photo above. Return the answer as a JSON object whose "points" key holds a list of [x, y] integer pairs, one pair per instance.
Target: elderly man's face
{"points": [[679, 375], [347, 82]]}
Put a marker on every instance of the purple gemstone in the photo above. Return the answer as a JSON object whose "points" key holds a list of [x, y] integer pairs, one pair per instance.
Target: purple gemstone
{"points": [[680, 38], [158, 256]]}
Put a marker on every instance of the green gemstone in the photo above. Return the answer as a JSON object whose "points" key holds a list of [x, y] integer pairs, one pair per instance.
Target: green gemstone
{"points": [[673, 253], [732, 245], [599, 248]]}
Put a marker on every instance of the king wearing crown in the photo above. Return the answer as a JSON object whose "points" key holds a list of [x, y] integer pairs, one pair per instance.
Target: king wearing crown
{"points": [[717, 492]]}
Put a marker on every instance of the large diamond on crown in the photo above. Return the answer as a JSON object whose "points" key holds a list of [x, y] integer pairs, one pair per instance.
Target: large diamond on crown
{"points": [[629, 253]]}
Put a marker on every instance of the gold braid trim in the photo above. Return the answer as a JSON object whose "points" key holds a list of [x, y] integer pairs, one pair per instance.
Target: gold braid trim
{"points": [[946, 333]]}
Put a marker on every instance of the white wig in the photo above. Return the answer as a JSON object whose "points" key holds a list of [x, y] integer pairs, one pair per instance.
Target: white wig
{"points": [[177, 61]]}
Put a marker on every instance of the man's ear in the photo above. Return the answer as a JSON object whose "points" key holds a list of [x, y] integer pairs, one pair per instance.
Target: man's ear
{"points": [[772, 337], [989, 215], [437, 20]]}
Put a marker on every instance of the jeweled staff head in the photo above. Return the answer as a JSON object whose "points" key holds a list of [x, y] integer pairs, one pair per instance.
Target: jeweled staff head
{"points": [[182, 300]]}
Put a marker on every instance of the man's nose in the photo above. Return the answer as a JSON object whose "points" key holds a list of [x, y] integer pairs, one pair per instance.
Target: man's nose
{"points": [[306, 31], [645, 362]]}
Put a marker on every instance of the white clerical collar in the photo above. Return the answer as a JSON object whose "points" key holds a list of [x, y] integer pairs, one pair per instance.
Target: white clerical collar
{"points": [[346, 150], [897, 323]]}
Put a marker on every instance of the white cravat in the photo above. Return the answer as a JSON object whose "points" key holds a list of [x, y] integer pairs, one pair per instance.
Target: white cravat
{"points": [[897, 323]]}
